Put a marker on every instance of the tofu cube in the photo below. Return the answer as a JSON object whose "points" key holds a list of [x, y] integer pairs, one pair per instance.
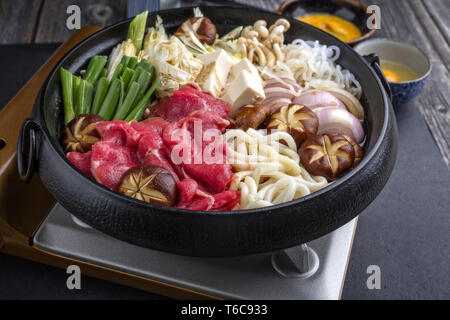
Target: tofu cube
{"points": [[245, 89]]}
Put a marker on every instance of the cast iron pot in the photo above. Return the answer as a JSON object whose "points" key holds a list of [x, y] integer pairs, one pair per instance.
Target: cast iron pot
{"points": [[200, 233]]}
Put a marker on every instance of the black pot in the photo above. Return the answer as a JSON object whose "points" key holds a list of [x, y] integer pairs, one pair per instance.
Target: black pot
{"points": [[200, 233]]}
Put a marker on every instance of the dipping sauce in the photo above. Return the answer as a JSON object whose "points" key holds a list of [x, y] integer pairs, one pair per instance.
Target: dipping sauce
{"points": [[342, 29], [396, 72]]}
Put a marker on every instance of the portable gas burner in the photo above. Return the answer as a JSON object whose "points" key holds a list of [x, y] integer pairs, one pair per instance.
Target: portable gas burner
{"points": [[42, 231]]}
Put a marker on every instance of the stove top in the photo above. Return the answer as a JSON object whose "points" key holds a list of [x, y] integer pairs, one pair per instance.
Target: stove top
{"points": [[260, 276]]}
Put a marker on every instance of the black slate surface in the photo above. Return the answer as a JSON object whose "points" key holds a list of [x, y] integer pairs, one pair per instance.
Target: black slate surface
{"points": [[405, 231]]}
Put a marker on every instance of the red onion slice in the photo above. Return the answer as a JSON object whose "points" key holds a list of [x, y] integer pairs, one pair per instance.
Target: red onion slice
{"points": [[318, 98], [333, 120]]}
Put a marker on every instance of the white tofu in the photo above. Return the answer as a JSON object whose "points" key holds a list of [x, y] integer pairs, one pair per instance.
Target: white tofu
{"points": [[209, 81], [245, 89], [223, 64], [244, 64]]}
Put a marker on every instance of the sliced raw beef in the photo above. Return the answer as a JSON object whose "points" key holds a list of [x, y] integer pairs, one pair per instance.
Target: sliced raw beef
{"points": [[110, 161], [223, 201], [156, 125], [153, 151], [82, 161], [118, 132], [185, 101], [187, 189], [216, 176]]}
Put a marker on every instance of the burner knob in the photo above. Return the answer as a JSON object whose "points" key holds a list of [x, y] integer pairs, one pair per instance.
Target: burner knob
{"points": [[296, 262]]}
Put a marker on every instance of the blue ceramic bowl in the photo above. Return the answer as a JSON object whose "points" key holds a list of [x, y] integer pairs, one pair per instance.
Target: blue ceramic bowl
{"points": [[402, 53]]}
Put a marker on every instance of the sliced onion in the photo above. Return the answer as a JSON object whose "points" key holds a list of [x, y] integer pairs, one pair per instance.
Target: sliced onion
{"points": [[353, 105], [283, 83], [333, 120], [318, 98], [278, 103], [277, 92]]}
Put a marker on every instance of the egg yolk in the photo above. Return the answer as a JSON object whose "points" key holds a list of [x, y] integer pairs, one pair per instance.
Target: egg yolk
{"points": [[391, 76]]}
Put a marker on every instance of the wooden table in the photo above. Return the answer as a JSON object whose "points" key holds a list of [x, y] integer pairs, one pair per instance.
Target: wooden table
{"points": [[421, 22]]}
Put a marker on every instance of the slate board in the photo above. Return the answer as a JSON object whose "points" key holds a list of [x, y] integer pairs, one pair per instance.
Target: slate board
{"points": [[405, 231]]}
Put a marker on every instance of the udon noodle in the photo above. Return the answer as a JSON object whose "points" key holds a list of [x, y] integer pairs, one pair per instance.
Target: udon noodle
{"points": [[268, 171]]}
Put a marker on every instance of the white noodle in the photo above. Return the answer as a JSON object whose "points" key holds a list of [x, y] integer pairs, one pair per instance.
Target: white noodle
{"points": [[267, 172], [313, 66]]}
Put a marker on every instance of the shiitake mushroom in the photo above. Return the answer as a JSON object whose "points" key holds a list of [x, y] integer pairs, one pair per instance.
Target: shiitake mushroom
{"points": [[203, 28], [80, 134], [297, 120], [327, 155], [149, 183], [250, 116]]}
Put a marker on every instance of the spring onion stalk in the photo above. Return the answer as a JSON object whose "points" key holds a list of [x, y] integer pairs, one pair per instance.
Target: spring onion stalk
{"points": [[126, 76], [137, 29], [67, 91], [139, 109], [145, 64], [104, 73], [100, 93], [95, 67], [111, 100], [144, 81], [136, 74], [125, 61], [76, 85], [84, 97], [117, 72], [127, 103], [132, 63], [122, 94]]}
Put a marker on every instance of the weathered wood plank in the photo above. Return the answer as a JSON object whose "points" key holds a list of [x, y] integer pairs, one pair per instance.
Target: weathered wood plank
{"points": [[413, 21], [18, 20], [52, 23]]}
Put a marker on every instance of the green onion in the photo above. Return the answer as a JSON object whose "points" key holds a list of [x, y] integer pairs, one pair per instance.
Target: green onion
{"points": [[125, 61], [95, 67], [126, 76], [145, 64], [110, 102], [100, 93], [144, 81], [76, 85], [67, 92], [132, 63], [137, 29], [127, 104], [104, 73], [138, 110], [84, 97], [117, 72], [136, 74]]}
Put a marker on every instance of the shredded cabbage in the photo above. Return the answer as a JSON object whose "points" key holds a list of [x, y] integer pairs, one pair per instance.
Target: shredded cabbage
{"points": [[174, 63]]}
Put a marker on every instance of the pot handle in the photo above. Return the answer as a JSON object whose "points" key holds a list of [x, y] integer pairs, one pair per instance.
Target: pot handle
{"points": [[374, 61], [26, 150]]}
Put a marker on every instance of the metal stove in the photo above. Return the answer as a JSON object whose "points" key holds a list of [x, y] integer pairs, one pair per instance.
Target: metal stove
{"points": [[311, 271]]}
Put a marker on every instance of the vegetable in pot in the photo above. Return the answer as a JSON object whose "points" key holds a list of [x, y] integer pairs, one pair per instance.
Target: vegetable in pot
{"points": [[297, 120], [150, 184], [327, 155], [80, 134], [67, 92]]}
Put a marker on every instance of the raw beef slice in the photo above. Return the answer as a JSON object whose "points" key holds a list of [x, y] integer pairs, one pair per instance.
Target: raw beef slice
{"points": [[110, 161]]}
